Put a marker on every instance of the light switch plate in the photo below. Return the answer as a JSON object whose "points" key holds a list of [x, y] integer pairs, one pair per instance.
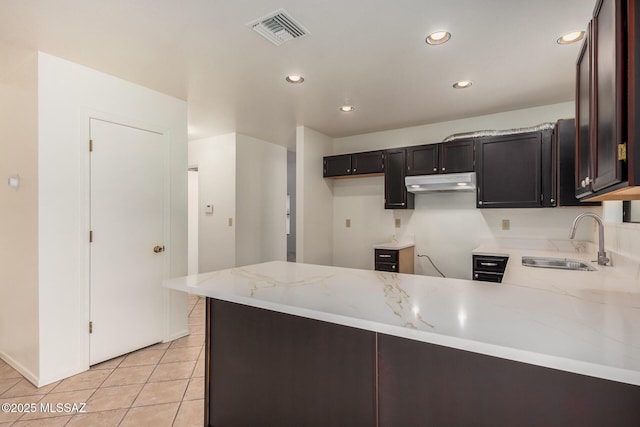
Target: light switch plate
{"points": [[506, 224], [230, 222], [398, 223], [208, 209], [348, 223]]}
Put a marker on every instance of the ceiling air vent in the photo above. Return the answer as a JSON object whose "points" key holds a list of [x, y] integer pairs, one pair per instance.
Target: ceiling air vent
{"points": [[278, 27]]}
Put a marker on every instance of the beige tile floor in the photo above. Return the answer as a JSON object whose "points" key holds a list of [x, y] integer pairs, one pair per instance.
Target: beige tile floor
{"points": [[161, 385]]}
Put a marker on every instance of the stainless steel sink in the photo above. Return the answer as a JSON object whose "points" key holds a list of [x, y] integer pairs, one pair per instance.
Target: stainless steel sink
{"points": [[557, 263]]}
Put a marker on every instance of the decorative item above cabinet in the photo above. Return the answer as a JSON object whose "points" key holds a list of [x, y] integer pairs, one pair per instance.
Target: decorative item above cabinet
{"points": [[608, 104]]}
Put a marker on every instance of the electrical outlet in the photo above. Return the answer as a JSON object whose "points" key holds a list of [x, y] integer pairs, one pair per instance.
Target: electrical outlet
{"points": [[230, 222], [506, 224], [348, 223], [398, 223]]}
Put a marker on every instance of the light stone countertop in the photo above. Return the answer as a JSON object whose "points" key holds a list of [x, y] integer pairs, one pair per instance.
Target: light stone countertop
{"points": [[572, 322], [394, 245]]}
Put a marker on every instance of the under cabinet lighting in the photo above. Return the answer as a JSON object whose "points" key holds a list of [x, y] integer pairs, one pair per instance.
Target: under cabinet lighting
{"points": [[347, 108], [571, 37], [294, 79], [438, 37]]}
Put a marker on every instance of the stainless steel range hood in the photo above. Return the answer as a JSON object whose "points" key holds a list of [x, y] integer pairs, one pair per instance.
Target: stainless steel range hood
{"points": [[441, 182]]}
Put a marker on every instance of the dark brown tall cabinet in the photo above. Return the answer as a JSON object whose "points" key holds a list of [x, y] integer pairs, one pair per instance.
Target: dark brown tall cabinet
{"points": [[608, 104], [396, 195]]}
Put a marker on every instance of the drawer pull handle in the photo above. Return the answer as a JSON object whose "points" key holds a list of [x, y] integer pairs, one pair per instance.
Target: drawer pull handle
{"points": [[384, 256], [489, 264]]}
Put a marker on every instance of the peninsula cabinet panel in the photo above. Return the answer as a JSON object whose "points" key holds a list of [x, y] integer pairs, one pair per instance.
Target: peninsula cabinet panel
{"points": [[424, 384], [272, 369]]}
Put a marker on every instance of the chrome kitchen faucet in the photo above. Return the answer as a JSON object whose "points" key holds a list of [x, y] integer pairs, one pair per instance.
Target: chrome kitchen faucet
{"points": [[602, 255]]}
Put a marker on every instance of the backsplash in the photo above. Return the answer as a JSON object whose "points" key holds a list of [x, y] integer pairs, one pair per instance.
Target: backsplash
{"points": [[622, 243]]}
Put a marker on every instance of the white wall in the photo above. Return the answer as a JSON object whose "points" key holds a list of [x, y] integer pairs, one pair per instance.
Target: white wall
{"points": [[19, 210], [245, 180], [216, 161], [446, 226], [68, 95], [314, 204], [261, 193]]}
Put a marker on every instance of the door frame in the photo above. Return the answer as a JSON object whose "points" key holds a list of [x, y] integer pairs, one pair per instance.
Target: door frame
{"points": [[84, 218]]}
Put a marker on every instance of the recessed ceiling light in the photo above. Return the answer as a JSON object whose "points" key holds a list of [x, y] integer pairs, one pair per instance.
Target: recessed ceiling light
{"points": [[571, 37], [347, 108], [438, 37], [462, 84], [294, 79]]}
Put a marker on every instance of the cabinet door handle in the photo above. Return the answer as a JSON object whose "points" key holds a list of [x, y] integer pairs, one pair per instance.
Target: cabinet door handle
{"points": [[354, 169], [489, 264], [393, 267], [384, 256], [435, 169], [475, 275], [443, 169], [348, 170]]}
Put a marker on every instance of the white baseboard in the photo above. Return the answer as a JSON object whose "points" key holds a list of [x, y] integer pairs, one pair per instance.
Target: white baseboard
{"points": [[177, 335], [29, 376]]}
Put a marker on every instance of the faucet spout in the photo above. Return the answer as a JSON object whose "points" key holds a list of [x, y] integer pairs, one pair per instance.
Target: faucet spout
{"points": [[602, 255]]}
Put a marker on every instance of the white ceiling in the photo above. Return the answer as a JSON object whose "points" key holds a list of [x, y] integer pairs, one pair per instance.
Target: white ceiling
{"points": [[370, 52]]}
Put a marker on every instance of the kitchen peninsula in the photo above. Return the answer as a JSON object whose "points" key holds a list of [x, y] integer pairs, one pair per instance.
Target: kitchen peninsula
{"points": [[293, 344]]}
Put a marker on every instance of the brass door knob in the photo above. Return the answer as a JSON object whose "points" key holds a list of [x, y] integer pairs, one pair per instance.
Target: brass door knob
{"points": [[158, 249]]}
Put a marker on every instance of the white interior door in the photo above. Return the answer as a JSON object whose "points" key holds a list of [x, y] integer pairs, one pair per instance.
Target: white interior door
{"points": [[127, 223]]}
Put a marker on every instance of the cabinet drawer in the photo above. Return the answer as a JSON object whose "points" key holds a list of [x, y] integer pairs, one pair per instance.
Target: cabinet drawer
{"points": [[488, 277], [386, 256], [386, 266], [489, 264]]}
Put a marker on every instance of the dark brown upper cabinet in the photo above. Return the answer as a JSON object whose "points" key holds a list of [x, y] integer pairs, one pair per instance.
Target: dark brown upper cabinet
{"points": [[608, 104], [336, 165], [448, 157], [370, 162], [457, 156], [608, 68], [516, 171], [582, 180], [564, 135], [423, 159], [396, 195], [367, 163]]}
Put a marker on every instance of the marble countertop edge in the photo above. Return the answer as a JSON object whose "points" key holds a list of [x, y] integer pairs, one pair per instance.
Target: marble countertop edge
{"points": [[508, 353]]}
